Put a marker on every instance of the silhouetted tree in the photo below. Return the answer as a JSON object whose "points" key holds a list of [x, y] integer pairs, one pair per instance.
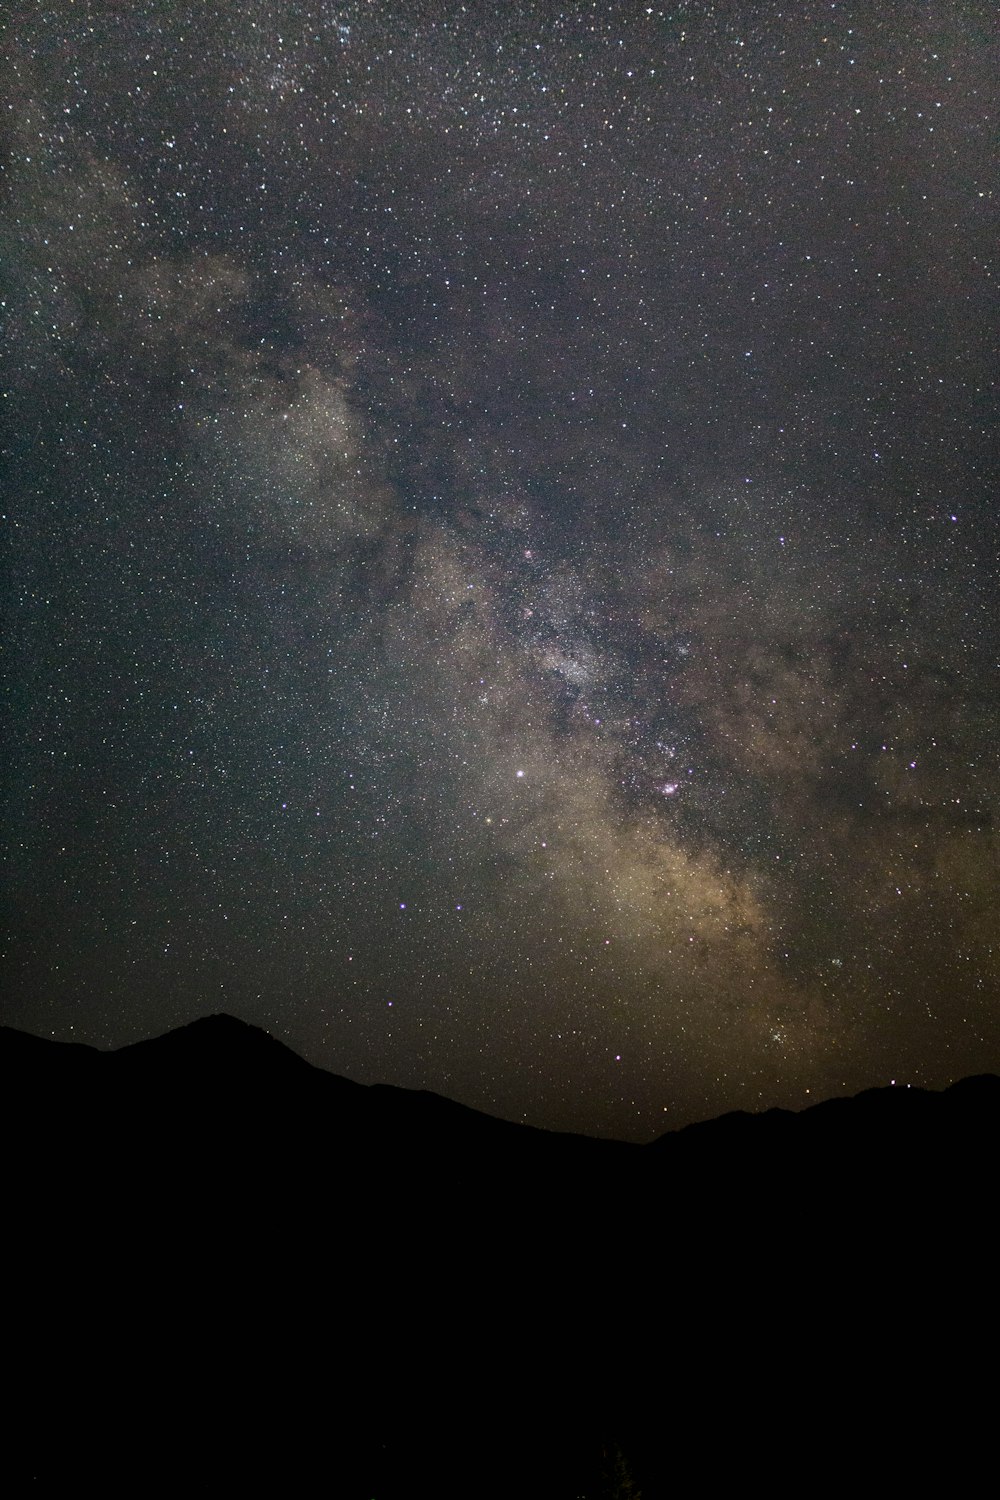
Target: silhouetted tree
{"points": [[618, 1483]]}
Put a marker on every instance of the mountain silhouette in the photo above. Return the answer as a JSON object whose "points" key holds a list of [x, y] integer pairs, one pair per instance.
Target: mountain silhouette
{"points": [[228, 1263]]}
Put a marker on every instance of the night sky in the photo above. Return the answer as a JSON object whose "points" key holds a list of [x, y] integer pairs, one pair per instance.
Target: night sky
{"points": [[502, 543]]}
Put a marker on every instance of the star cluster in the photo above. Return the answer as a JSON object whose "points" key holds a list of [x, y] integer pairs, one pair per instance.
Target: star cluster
{"points": [[502, 548]]}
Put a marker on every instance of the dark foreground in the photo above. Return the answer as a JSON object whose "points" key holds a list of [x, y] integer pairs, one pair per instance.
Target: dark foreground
{"points": [[231, 1272]]}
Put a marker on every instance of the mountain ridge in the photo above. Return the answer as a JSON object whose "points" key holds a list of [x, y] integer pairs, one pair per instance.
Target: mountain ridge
{"points": [[210, 1235], [223, 1037]]}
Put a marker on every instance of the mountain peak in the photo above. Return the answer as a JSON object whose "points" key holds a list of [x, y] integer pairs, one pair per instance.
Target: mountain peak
{"points": [[222, 1024], [220, 1039]]}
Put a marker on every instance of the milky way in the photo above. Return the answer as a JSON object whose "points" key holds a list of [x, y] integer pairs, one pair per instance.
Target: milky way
{"points": [[502, 543]]}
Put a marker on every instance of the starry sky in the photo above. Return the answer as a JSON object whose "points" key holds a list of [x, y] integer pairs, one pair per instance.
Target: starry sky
{"points": [[501, 542]]}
